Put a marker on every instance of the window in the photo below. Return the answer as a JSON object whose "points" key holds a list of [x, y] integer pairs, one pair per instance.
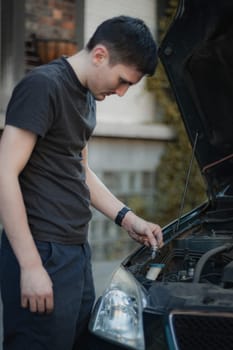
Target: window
{"points": [[112, 180], [148, 180]]}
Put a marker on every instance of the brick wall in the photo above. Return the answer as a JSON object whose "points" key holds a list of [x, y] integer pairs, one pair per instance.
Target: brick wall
{"points": [[53, 19]]}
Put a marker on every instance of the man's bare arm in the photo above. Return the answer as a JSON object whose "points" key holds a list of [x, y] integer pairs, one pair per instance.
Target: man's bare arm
{"points": [[16, 147]]}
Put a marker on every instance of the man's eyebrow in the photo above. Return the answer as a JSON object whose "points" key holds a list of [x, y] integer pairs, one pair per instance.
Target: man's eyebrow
{"points": [[124, 81]]}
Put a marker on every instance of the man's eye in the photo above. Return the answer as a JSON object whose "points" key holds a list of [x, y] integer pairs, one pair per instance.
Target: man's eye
{"points": [[122, 81]]}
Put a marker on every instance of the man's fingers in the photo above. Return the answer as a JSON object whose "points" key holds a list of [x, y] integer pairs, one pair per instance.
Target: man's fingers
{"points": [[41, 302], [49, 303], [24, 302], [150, 237], [157, 233], [32, 304], [146, 233], [29, 302], [159, 239], [38, 304]]}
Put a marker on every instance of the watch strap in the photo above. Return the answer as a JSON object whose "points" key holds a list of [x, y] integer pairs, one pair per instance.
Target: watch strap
{"points": [[121, 214]]}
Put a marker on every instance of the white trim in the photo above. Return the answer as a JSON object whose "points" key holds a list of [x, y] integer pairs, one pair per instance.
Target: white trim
{"points": [[135, 131]]}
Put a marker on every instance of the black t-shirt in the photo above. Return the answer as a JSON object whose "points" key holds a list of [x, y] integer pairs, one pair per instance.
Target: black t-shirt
{"points": [[51, 102]]}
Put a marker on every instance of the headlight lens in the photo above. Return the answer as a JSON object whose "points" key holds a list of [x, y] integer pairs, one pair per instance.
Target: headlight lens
{"points": [[118, 317]]}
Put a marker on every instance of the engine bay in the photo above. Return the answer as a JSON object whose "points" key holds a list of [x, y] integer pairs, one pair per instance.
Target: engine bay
{"points": [[196, 268], [205, 260]]}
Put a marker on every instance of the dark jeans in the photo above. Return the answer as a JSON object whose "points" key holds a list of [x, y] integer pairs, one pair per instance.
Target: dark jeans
{"points": [[70, 270]]}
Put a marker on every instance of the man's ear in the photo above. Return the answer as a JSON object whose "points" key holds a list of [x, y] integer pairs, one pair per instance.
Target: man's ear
{"points": [[100, 54]]}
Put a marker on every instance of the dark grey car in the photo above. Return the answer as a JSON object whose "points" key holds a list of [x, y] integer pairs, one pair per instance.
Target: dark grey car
{"points": [[183, 297]]}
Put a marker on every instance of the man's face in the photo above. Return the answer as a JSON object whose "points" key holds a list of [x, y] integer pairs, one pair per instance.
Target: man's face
{"points": [[107, 79]]}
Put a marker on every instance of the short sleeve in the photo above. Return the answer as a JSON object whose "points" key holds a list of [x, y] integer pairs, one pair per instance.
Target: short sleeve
{"points": [[32, 104]]}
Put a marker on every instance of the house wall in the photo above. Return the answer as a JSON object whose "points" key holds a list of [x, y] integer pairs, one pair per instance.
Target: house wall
{"points": [[138, 105]]}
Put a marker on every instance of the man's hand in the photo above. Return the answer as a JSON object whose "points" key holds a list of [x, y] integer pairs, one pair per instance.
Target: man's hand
{"points": [[143, 231], [36, 290], [16, 148]]}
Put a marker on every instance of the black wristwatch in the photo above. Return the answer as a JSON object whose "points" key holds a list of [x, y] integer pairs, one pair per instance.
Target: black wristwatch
{"points": [[121, 214]]}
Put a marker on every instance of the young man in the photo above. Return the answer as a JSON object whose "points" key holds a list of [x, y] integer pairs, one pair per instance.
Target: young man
{"points": [[47, 186]]}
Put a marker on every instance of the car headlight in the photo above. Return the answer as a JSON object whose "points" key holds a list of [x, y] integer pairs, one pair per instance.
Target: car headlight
{"points": [[118, 317]]}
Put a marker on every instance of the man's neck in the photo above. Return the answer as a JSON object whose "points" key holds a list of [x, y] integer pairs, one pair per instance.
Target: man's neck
{"points": [[79, 63]]}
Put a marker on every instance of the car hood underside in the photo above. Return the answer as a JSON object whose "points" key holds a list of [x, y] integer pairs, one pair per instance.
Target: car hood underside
{"points": [[197, 54]]}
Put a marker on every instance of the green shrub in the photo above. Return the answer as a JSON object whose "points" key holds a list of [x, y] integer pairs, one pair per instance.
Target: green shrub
{"points": [[174, 165]]}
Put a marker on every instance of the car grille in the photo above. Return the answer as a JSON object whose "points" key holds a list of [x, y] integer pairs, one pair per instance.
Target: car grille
{"points": [[202, 331]]}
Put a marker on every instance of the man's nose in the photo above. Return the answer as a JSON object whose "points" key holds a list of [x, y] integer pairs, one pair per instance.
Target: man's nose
{"points": [[121, 90]]}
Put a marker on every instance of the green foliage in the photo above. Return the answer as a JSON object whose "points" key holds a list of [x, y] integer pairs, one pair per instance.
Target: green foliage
{"points": [[173, 168]]}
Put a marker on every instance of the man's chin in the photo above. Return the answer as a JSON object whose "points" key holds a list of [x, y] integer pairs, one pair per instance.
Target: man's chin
{"points": [[100, 97]]}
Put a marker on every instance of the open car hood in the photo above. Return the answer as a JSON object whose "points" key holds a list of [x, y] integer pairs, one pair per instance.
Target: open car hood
{"points": [[197, 54]]}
